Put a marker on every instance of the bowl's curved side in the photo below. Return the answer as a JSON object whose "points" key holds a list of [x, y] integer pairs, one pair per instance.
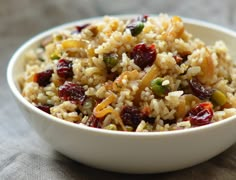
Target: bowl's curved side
{"points": [[129, 152], [133, 154]]}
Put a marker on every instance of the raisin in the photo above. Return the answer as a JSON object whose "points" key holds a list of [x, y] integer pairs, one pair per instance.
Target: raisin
{"points": [[143, 55], [80, 28], [72, 92], [64, 68], [95, 122], [200, 115], [131, 116], [199, 90], [149, 120], [43, 78], [45, 108], [170, 121]]}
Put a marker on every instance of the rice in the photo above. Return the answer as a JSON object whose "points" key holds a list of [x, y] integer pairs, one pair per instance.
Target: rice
{"points": [[143, 74]]}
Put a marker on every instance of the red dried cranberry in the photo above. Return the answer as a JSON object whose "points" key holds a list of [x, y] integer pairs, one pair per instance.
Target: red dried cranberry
{"points": [[95, 122], [43, 78], [131, 116], [143, 55], [200, 115], [72, 92], [80, 28], [199, 90], [45, 108], [64, 68]]}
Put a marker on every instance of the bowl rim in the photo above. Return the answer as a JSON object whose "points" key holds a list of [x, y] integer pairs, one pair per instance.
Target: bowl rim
{"points": [[80, 126]]}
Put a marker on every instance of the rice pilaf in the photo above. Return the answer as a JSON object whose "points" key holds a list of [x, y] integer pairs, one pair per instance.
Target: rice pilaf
{"points": [[142, 74]]}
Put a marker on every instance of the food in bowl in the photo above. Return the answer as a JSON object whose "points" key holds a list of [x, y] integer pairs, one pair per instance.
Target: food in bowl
{"points": [[143, 74]]}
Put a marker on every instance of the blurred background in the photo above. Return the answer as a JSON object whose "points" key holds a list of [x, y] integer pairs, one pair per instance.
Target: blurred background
{"points": [[23, 155]]}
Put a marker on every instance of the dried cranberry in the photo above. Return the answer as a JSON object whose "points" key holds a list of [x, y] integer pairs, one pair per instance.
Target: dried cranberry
{"points": [[43, 78], [80, 28], [93, 121], [199, 90], [72, 92], [64, 68], [200, 115], [131, 116], [45, 108], [143, 55]]}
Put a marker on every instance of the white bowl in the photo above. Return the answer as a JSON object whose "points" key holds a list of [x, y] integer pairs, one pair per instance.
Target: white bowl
{"points": [[129, 152]]}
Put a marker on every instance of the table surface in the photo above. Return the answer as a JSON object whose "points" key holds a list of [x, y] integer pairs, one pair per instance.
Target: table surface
{"points": [[23, 155]]}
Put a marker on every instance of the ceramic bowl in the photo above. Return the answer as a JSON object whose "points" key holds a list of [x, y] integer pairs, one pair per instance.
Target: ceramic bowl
{"points": [[128, 152]]}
